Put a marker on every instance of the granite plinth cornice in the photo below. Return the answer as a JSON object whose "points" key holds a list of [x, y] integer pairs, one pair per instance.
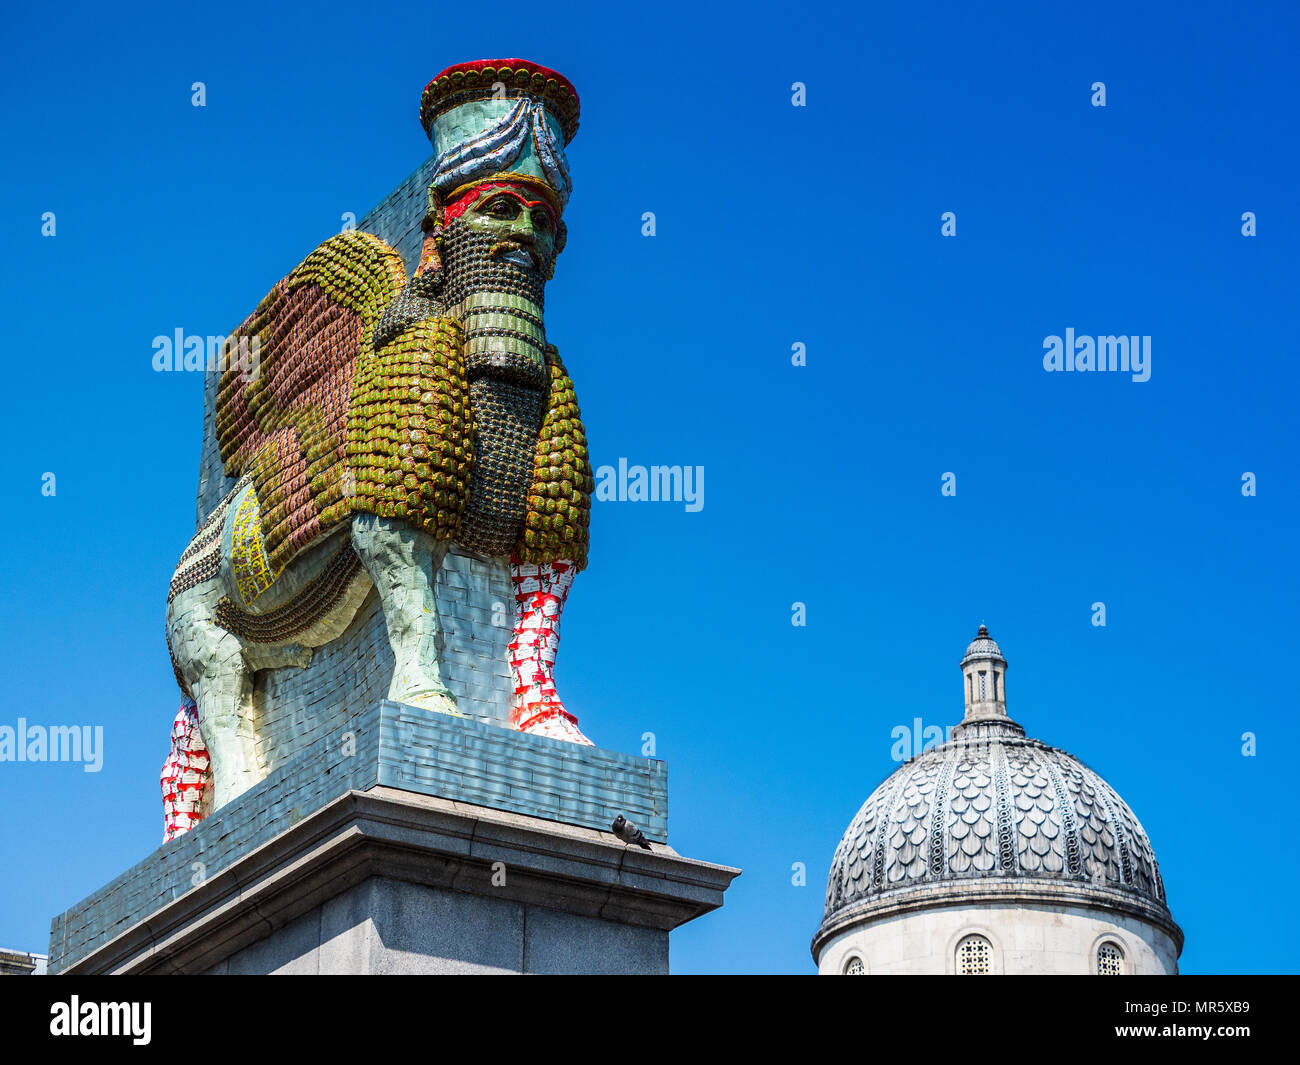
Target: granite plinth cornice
{"points": [[397, 747], [422, 839]]}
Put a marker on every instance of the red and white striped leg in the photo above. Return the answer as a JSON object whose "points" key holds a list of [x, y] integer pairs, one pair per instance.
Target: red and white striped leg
{"points": [[185, 774], [540, 592]]}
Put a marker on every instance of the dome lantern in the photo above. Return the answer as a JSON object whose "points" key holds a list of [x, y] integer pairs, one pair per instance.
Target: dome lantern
{"points": [[984, 673]]}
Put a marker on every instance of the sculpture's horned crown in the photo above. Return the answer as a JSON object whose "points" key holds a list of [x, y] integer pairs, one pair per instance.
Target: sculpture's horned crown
{"points": [[500, 118]]}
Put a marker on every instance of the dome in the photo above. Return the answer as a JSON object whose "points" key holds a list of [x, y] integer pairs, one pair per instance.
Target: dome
{"points": [[1001, 807], [992, 817], [983, 646]]}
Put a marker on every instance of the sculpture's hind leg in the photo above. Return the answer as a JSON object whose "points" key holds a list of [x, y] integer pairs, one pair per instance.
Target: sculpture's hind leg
{"points": [[223, 693], [211, 662], [403, 563]]}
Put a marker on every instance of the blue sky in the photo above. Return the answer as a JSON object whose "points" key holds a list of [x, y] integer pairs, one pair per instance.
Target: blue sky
{"points": [[775, 225]]}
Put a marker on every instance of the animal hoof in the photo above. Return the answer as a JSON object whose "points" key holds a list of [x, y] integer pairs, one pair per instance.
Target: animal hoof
{"points": [[556, 723], [440, 702]]}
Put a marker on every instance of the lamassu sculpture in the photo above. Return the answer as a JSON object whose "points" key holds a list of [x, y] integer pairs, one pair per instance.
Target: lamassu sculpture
{"points": [[390, 417]]}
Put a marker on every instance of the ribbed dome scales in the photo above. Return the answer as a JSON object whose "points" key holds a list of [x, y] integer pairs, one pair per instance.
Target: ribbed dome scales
{"points": [[983, 646], [981, 807]]}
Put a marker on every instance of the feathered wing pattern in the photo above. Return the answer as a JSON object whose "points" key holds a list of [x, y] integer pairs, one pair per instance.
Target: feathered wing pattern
{"points": [[410, 429], [327, 425], [559, 501], [282, 416]]}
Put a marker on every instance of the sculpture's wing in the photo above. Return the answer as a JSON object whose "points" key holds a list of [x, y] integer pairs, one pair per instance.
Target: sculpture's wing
{"points": [[559, 501], [410, 432], [282, 401]]}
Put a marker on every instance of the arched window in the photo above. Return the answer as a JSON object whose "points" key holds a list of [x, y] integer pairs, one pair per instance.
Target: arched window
{"points": [[1110, 959], [855, 967], [974, 956]]}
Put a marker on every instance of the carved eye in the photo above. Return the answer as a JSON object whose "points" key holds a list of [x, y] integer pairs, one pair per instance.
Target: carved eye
{"points": [[503, 207], [541, 221]]}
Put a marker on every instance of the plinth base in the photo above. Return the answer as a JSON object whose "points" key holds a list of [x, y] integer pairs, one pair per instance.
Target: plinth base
{"points": [[409, 842], [389, 881]]}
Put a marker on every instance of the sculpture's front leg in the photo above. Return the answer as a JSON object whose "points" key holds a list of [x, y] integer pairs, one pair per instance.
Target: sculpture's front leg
{"points": [[540, 592], [403, 563]]}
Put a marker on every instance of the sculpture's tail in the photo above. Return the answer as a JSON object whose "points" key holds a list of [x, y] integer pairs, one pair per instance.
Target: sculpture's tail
{"points": [[185, 774]]}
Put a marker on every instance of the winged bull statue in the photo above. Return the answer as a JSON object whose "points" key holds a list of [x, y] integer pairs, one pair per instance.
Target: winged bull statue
{"points": [[388, 418]]}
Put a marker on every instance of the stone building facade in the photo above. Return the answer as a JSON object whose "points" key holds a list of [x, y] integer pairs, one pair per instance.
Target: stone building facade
{"points": [[21, 963]]}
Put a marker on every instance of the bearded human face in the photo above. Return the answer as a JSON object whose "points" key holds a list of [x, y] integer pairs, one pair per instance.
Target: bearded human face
{"points": [[524, 227]]}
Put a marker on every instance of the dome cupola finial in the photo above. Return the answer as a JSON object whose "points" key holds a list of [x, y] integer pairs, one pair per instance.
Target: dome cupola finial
{"points": [[984, 673]]}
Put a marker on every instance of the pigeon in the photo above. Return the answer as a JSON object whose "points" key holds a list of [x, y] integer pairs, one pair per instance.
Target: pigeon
{"points": [[629, 833]]}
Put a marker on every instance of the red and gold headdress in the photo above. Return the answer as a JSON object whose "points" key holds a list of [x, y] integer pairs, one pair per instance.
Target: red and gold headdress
{"points": [[500, 119]]}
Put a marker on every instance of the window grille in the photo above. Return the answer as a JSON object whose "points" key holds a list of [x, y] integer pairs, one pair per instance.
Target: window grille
{"points": [[974, 956], [1110, 960]]}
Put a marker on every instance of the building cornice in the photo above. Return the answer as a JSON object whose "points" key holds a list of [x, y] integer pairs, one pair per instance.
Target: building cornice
{"points": [[973, 893]]}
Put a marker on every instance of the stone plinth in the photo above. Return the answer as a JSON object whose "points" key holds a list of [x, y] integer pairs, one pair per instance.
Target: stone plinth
{"points": [[388, 881], [408, 842]]}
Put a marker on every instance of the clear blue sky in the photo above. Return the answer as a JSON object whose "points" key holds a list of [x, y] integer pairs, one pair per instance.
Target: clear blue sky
{"points": [[776, 225]]}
